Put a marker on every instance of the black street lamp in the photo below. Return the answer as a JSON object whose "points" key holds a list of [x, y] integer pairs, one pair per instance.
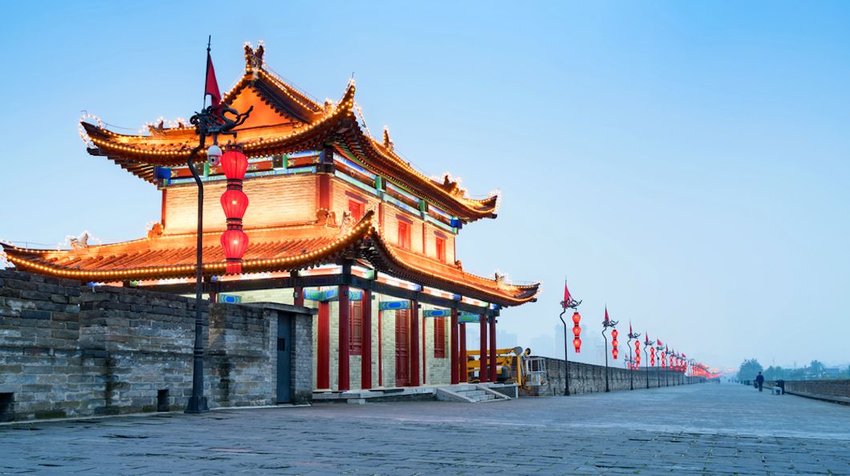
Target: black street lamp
{"points": [[632, 335], [211, 121], [658, 353], [567, 303], [605, 325], [646, 345]]}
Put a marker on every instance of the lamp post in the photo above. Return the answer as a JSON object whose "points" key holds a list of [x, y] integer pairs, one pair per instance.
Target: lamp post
{"points": [[211, 121], [659, 350], [646, 345], [632, 335], [605, 325], [569, 303]]}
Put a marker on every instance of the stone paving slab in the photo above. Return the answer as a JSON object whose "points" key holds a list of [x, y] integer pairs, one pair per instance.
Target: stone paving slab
{"points": [[700, 429]]}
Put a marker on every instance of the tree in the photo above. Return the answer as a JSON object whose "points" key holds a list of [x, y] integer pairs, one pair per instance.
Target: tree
{"points": [[749, 369], [774, 373], [816, 369]]}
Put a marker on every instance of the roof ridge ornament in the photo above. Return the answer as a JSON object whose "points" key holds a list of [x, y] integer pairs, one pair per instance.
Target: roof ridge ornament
{"points": [[254, 57], [388, 143]]}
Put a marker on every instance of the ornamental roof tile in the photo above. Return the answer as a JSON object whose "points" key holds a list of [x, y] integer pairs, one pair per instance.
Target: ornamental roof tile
{"points": [[285, 120], [270, 250]]}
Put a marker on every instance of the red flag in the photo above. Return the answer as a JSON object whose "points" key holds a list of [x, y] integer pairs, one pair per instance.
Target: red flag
{"points": [[211, 85], [606, 314], [630, 328], [658, 343], [567, 296]]}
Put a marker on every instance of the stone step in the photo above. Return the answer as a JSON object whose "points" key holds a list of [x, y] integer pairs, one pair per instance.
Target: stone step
{"points": [[472, 393], [462, 388]]}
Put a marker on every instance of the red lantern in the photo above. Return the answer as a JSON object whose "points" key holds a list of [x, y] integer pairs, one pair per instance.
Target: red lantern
{"points": [[637, 352], [576, 332], [652, 356], [234, 242], [234, 164], [614, 351], [234, 202]]}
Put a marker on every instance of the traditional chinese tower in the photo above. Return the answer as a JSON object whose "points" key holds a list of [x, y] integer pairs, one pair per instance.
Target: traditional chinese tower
{"points": [[338, 221]]}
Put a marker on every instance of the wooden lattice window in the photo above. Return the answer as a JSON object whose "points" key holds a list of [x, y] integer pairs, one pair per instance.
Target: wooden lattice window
{"points": [[355, 327], [439, 337]]}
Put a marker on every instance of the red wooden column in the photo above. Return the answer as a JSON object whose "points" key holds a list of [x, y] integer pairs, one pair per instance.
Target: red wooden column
{"points": [[366, 352], [298, 290], [380, 352], [483, 373], [492, 348], [323, 351], [464, 376], [424, 354], [453, 342], [414, 343], [344, 339]]}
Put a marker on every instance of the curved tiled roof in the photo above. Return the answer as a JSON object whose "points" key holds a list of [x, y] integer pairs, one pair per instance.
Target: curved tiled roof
{"points": [[316, 126], [270, 250]]}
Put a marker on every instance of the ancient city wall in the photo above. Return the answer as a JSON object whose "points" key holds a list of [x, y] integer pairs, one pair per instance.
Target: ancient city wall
{"points": [[588, 378], [72, 350], [831, 390]]}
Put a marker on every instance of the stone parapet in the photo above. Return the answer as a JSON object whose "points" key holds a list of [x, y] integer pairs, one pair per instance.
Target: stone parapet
{"points": [[70, 350]]}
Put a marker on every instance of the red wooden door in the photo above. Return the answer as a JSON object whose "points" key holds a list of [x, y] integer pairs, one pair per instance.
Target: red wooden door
{"points": [[402, 348]]}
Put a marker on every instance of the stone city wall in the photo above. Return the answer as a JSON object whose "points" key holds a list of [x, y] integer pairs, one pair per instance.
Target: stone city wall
{"points": [[830, 390], [588, 378], [71, 350]]}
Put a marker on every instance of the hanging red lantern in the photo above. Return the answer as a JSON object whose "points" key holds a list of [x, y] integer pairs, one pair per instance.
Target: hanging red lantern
{"points": [[234, 164], [637, 352], [614, 343], [652, 356], [234, 242], [577, 332], [234, 202]]}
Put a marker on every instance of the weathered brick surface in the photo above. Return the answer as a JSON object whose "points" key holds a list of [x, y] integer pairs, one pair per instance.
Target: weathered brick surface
{"points": [[71, 350]]}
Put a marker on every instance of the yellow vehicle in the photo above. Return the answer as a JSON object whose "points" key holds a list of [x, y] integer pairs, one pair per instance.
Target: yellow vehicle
{"points": [[512, 366]]}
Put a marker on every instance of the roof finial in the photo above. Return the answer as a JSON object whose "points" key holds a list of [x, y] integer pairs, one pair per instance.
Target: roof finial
{"points": [[254, 57], [388, 143]]}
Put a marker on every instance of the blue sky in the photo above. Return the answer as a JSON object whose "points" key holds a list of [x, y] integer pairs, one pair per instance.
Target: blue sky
{"points": [[683, 162]]}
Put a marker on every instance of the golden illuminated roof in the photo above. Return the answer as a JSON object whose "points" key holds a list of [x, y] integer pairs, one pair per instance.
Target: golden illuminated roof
{"points": [[284, 120], [270, 250]]}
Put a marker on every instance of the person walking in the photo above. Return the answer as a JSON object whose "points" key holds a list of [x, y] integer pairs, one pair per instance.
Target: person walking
{"points": [[760, 380]]}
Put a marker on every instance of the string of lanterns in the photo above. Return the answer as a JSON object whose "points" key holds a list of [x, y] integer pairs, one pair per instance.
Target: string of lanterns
{"points": [[234, 202]]}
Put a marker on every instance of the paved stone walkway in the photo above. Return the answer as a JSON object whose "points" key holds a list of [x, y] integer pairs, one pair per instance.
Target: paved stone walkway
{"points": [[699, 429]]}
